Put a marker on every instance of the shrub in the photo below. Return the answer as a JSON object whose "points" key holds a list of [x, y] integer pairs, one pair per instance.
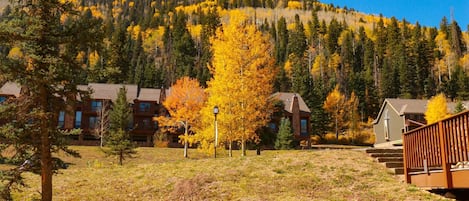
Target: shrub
{"points": [[330, 138], [161, 140], [316, 139]]}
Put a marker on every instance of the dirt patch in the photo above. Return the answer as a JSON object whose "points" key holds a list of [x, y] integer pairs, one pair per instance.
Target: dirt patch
{"points": [[196, 188]]}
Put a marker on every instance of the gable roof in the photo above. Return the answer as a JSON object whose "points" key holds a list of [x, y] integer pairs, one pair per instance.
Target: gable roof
{"points": [[11, 88], [287, 99], [411, 106]]}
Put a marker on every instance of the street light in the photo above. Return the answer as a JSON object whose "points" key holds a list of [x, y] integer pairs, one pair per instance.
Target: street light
{"points": [[215, 112]]}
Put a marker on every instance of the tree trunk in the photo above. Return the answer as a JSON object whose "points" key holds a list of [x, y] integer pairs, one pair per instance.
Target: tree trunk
{"points": [[230, 149], [46, 156], [186, 144], [243, 148], [46, 167]]}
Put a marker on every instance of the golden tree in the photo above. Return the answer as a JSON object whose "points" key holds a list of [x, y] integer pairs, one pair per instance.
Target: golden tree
{"points": [[241, 85], [334, 105], [183, 103], [436, 109]]}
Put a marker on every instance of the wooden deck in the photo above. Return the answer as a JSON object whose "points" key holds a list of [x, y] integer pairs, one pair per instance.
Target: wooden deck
{"points": [[437, 155]]}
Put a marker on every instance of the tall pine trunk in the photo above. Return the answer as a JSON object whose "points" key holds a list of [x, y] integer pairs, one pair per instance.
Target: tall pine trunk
{"points": [[46, 156]]}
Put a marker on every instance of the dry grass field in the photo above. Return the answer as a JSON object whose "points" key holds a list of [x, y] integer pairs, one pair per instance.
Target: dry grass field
{"points": [[163, 174]]}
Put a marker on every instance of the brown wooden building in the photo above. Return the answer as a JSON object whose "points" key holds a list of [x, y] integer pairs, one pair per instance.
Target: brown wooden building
{"points": [[296, 110], [145, 104], [87, 113]]}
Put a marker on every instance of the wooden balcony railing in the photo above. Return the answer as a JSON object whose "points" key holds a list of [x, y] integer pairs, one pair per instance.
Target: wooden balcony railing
{"points": [[437, 146]]}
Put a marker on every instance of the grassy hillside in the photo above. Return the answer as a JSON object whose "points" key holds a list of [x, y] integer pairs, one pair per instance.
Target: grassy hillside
{"points": [[162, 174]]}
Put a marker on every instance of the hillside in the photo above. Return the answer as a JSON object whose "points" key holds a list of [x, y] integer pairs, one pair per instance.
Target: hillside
{"points": [[163, 174]]}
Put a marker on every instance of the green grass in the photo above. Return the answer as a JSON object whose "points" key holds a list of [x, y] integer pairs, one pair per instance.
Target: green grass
{"points": [[163, 174]]}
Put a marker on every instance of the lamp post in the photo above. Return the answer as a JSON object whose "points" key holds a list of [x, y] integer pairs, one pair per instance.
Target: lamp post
{"points": [[215, 112]]}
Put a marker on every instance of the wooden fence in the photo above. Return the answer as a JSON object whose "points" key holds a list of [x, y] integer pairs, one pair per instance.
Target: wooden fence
{"points": [[437, 146]]}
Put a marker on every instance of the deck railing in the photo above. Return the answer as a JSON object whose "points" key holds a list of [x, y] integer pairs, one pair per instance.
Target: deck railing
{"points": [[438, 145]]}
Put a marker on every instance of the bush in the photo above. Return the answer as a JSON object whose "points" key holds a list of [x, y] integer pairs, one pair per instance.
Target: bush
{"points": [[316, 139], [161, 140], [330, 138]]}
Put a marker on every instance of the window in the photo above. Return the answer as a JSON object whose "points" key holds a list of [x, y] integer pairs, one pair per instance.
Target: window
{"points": [[144, 107], [96, 106], [273, 126], [3, 99], [386, 125], [61, 123], [78, 119], [94, 121], [146, 123], [304, 127]]}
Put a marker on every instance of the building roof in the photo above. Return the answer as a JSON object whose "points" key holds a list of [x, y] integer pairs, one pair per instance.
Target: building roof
{"points": [[287, 99], [109, 91], [147, 94], [412, 106], [10, 88]]}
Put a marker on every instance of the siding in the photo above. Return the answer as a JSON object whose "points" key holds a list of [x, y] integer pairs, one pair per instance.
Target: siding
{"points": [[396, 125]]}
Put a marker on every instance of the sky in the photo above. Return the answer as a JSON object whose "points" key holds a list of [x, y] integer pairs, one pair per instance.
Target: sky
{"points": [[426, 12]]}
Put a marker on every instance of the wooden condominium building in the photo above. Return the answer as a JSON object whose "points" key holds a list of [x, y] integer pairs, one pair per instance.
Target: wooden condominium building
{"points": [[87, 113], [146, 103]]}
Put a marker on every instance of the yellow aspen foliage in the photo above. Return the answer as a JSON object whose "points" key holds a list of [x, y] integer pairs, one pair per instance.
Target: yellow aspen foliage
{"points": [[131, 4], [319, 63], [291, 26], [134, 31], [96, 12], [80, 57], [241, 84], [334, 61], [437, 109], [93, 58], [464, 62], [294, 5], [335, 105], [15, 53], [183, 103], [353, 117], [288, 67], [195, 30], [153, 39]]}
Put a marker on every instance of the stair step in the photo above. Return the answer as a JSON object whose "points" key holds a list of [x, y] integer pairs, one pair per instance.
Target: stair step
{"points": [[375, 150], [398, 171], [382, 155], [390, 159], [394, 164]]}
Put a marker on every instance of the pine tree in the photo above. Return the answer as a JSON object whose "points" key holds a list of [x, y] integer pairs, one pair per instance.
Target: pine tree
{"points": [[281, 53], [459, 107], [47, 73], [118, 140], [117, 66], [285, 135]]}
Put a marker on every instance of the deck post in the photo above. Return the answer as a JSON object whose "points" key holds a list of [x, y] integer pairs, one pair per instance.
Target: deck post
{"points": [[448, 183], [406, 171]]}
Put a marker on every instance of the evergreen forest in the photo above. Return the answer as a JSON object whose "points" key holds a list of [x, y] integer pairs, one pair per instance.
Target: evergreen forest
{"points": [[153, 43]]}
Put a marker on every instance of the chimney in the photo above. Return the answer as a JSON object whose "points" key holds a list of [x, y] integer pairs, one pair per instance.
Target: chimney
{"points": [[295, 109]]}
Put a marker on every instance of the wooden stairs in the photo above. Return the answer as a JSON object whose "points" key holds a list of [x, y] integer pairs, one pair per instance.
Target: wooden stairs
{"points": [[391, 158]]}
